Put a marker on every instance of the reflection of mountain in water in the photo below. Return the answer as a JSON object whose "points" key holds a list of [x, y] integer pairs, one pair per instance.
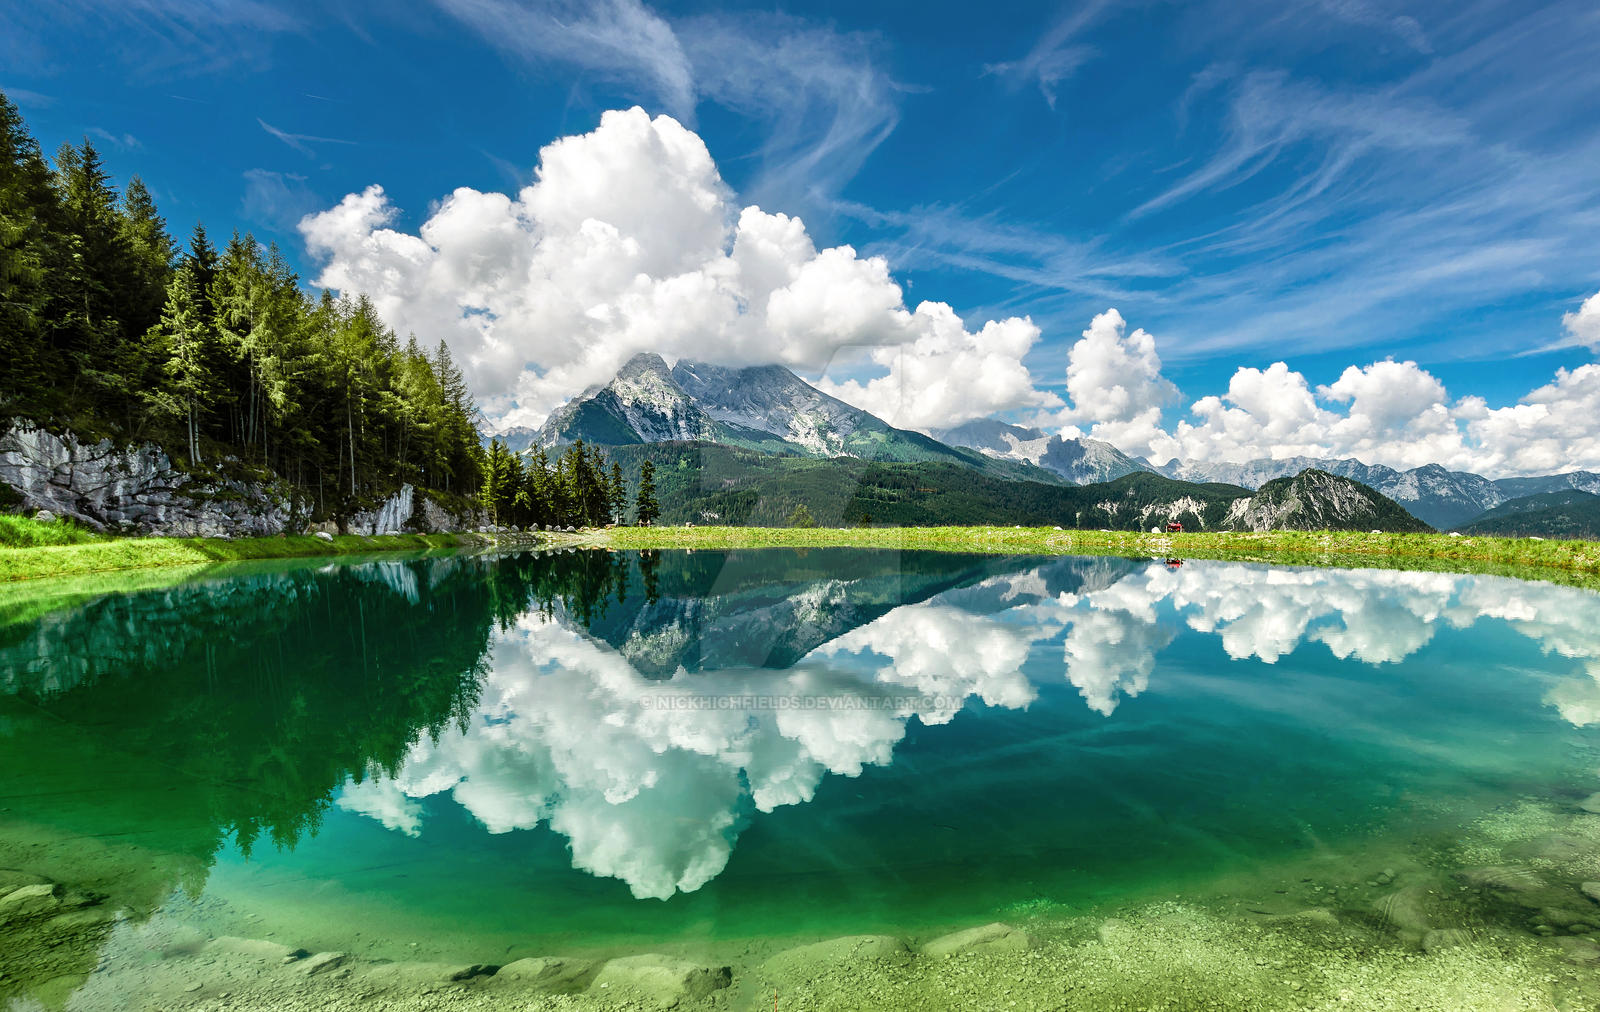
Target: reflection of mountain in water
{"points": [[717, 610]]}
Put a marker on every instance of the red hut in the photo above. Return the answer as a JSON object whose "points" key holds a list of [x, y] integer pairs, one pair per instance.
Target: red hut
{"points": [[1175, 527]]}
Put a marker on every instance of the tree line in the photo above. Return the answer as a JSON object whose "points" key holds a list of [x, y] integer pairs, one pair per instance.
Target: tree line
{"points": [[109, 328], [576, 489]]}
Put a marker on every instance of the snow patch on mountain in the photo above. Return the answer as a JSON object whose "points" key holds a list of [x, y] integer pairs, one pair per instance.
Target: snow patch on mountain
{"points": [[1080, 461]]}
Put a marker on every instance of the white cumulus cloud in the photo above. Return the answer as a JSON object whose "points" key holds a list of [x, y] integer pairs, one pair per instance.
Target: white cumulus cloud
{"points": [[1385, 412], [628, 240]]}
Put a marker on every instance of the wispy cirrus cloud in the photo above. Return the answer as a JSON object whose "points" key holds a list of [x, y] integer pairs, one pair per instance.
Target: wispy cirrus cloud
{"points": [[1058, 54], [820, 99], [126, 142], [156, 36], [622, 41], [300, 142]]}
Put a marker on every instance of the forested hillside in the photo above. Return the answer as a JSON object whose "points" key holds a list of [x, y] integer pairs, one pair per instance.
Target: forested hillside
{"points": [[1564, 514], [108, 328]]}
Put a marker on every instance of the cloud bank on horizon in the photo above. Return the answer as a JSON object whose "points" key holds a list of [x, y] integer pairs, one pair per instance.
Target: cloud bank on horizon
{"points": [[629, 240]]}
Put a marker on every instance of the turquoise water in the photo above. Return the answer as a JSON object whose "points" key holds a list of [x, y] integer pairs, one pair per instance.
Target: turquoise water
{"points": [[474, 758]]}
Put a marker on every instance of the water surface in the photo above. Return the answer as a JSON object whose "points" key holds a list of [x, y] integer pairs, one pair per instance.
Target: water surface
{"points": [[476, 758]]}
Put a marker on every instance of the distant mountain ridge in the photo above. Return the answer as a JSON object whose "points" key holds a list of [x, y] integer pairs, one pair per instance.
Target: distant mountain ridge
{"points": [[1441, 498], [763, 408], [1080, 461]]}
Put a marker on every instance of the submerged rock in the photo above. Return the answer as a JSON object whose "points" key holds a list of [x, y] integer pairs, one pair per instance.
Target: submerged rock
{"points": [[1402, 911], [1578, 950], [850, 950], [1557, 848], [251, 948], [1440, 939], [989, 938], [29, 901], [1515, 885], [322, 962], [1591, 804], [408, 976], [656, 979], [545, 973]]}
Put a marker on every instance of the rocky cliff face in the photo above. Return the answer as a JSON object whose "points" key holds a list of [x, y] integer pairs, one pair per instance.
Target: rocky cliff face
{"points": [[643, 404], [772, 399], [138, 490]]}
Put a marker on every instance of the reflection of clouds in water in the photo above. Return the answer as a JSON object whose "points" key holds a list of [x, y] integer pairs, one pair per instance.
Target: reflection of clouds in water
{"points": [[652, 789], [942, 651]]}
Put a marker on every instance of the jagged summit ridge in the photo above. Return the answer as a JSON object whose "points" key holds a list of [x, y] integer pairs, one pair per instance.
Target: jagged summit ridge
{"points": [[1080, 461]]}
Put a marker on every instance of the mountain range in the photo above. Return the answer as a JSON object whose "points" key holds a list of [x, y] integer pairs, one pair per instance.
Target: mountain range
{"points": [[1439, 497], [772, 415]]}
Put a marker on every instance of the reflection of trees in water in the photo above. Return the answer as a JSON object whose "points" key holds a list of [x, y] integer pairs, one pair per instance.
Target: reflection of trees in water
{"points": [[241, 704], [145, 729]]}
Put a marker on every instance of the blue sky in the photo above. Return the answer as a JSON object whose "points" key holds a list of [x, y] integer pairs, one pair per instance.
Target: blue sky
{"points": [[1328, 183]]}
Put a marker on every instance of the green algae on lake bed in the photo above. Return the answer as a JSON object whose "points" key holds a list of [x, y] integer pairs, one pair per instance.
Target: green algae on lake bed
{"points": [[1214, 784]]}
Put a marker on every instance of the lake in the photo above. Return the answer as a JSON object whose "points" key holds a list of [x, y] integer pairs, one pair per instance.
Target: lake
{"points": [[1285, 785]]}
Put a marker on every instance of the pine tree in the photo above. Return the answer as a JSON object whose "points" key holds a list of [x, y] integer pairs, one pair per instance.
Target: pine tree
{"points": [[617, 494], [27, 253], [150, 254], [646, 509], [185, 337]]}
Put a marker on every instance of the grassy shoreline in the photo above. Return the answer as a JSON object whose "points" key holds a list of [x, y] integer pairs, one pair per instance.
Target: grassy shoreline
{"points": [[116, 555], [1575, 563]]}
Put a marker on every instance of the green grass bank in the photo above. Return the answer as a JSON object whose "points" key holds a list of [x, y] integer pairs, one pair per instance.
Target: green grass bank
{"points": [[1571, 562], [32, 550]]}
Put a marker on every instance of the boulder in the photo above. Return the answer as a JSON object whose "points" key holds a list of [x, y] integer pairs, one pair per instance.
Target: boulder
{"points": [[323, 536], [44, 517], [658, 980], [989, 938], [544, 973], [807, 961]]}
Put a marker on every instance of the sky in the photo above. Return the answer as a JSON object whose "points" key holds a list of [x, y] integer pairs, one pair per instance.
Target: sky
{"points": [[1206, 230]]}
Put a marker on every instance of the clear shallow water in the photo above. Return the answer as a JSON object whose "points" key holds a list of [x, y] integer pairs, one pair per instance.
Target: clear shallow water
{"points": [[476, 758]]}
